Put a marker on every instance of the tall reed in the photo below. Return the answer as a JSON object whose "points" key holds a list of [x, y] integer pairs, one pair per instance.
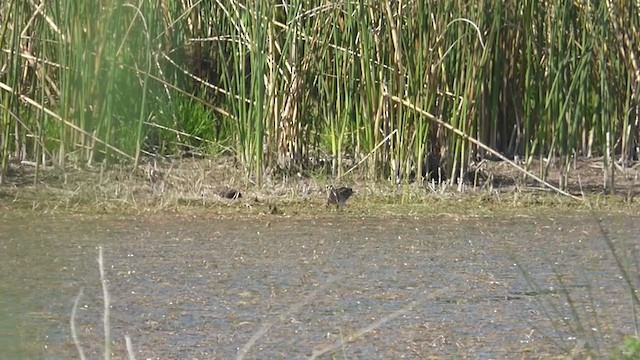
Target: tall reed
{"points": [[289, 86]]}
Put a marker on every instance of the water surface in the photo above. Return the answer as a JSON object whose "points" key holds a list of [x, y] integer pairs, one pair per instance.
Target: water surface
{"points": [[371, 287]]}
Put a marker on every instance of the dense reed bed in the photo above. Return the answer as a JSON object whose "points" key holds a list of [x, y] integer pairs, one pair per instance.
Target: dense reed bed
{"points": [[406, 90]]}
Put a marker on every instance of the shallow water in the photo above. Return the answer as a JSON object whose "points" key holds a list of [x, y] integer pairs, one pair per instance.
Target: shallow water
{"points": [[372, 287]]}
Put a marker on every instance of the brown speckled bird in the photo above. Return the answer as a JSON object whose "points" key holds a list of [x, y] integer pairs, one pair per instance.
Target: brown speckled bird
{"points": [[226, 192], [338, 196]]}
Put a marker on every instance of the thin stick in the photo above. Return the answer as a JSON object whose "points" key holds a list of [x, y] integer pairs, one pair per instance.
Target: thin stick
{"points": [[369, 154], [105, 294], [480, 144], [74, 333], [265, 327], [376, 324], [362, 331], [65, 122], [132, 355]]}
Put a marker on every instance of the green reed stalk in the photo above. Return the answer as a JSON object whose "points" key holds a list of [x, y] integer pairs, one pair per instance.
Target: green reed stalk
{"points": [[284, 82], [11, 65], [370, 100], [145, 83]]}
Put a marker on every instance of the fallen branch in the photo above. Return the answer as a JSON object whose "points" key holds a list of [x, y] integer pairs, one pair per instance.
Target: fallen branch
{"points": [[481, 145]]}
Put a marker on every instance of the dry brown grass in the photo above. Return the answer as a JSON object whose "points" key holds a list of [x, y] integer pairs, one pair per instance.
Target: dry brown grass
{"points": [[192, 185]]}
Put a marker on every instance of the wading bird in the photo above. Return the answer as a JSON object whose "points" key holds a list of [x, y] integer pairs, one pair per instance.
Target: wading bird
{"points": [[338, 196]]}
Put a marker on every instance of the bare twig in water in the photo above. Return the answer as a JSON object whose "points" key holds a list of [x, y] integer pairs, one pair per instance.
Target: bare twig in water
{"points": [[74, 333], [127, 339], [374, 325], [107, 331], [265, 327], [105, 320], [620, 263]]}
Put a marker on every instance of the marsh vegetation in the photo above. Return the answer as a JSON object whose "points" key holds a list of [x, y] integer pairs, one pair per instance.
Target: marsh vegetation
{"points": [[121, 107], [406, 91]]}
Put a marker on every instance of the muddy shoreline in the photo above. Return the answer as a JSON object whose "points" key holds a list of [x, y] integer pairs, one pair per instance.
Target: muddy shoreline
{"points": [[193, 185]]}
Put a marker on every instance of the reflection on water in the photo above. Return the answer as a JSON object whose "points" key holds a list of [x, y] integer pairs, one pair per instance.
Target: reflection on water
{"points": [[201, 288]]}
